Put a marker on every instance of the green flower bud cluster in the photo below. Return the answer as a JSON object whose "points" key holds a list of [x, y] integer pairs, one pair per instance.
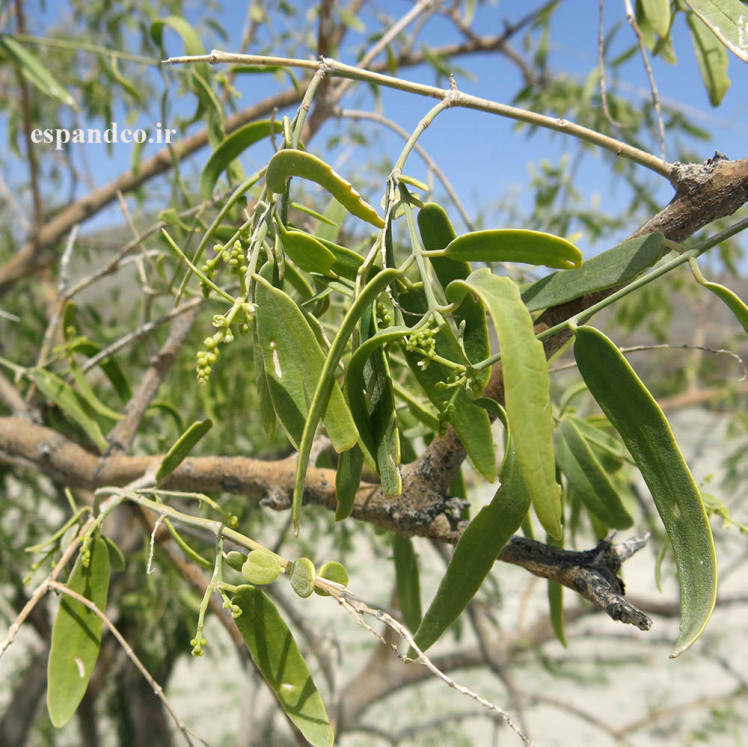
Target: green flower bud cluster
{"points": [[234, 257], [384, 318], [422, 341], [197, 644], [208, 357]]}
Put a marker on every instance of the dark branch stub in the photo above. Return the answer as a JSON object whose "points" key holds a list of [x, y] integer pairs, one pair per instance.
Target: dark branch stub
{"points": [[592, 573]]}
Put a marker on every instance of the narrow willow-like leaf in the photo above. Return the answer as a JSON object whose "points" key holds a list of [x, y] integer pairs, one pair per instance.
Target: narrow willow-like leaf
{"points": [[287, 163], [324, 382], [116, 558], [469, 421], [231, 148], [477, 549], [59, 392], [587, 477], [613, 267], [90, 397], [711, 56], [727, 19], [556, 601], [277, 656], [436, 233], [76, 635], [347, 481], [730, 299], [527, 389], [515, 245], [368, 388], [347, 262], [183, 446], [644, 429], [35, 71], [293, 363], [407, 581], [112, 370]]}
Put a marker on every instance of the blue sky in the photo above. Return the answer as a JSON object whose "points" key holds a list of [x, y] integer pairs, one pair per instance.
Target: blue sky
{"points": [[483, 156]]}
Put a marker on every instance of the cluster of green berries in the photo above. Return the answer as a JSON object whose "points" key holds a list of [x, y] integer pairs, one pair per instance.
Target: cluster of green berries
{"points": [[207, 358], [234, 257]]}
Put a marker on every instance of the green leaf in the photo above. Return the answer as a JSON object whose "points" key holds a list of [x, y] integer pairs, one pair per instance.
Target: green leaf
{"points": [[34, 70], [587, 477], [230, 149], [306, 252], [556, 601], [728, 21], [407, 581], [59, 392], [109, 366], [514, 245], [646, 433], [277, 656], [325, 381], [368, 388], [261, 567], [477, 550], [527, 389], [436, 233], [290, 162], [332, 571], [116, 558], [658, 15], [469, 421], [76, 635], [89, 396], [183, 446], [730, 299], [293, 363], [347, 481], [712, 58], [613, 267], [303, 575]]}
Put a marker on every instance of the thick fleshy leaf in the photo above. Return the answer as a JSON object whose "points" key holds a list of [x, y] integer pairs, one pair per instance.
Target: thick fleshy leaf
{"points": [[293, 363], [727, 19], [76, 635], [613, 267], [231, 148], [728, 297], [287, 163], [277, 656], [324, 383], [302, 573], [470, 421], [407, 581], [436, 233], [347, 481], [514, 245], [587, 477], [477, 550], [331, 571], [306, 252], [368, 388], [183, 446], [526, 387], [712, 58], [644, 429]]}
